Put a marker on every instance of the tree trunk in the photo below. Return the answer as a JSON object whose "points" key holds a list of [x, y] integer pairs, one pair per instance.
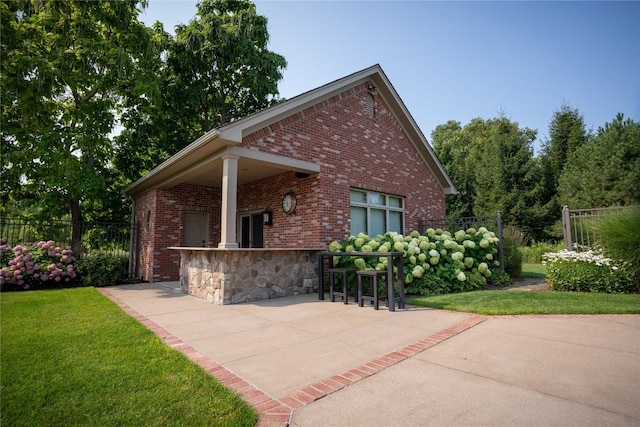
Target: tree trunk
{"points": [[76, 226]]}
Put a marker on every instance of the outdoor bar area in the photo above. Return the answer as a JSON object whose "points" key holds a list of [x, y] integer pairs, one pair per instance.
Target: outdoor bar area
{"points": [[232, 276]]}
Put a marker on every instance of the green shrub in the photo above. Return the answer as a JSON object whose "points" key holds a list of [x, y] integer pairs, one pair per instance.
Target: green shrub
{"points": [[102, 269], [533, 253], [619, 236], [475, 282], [435, 286], [500, 278], [512, 240], [588, 272]]}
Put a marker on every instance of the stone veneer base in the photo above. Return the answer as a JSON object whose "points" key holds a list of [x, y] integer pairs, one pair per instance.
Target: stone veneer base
{"points": [[232, 276]]}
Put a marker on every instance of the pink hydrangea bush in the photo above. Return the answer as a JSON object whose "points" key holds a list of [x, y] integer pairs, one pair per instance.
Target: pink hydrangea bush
{"points": [[36, 266]]}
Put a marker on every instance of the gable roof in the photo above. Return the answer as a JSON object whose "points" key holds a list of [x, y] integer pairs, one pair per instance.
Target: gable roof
{"points": [[197, 163]]}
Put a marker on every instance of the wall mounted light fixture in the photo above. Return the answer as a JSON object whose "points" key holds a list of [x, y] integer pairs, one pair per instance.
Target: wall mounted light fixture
{"points": [[267, 217]]}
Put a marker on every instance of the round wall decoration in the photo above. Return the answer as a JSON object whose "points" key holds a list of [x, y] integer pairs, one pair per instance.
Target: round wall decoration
{"points": [[289, 203]]}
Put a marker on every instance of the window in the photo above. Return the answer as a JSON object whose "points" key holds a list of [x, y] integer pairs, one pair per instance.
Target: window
{"points": [[376, 213]]}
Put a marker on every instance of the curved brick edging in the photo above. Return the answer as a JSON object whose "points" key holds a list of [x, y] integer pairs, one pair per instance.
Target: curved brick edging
{"points": [[278, 412]]}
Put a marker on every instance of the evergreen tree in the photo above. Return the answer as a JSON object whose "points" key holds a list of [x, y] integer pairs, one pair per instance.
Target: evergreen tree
{"points": [[604, 171], [566, 134]]}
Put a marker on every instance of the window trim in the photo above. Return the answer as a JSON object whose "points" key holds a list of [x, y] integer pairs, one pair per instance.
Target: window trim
{"points": [[387, 208]]}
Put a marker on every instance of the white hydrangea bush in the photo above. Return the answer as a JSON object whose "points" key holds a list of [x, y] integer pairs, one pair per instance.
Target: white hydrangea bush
{"points": [[436, 261]]}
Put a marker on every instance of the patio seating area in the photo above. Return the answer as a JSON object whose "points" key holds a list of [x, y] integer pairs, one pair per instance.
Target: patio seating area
{"points": [[393, 282]]}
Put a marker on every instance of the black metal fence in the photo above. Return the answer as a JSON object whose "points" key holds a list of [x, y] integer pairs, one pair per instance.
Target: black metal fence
{"points": [[84, 237], [490, 222]]}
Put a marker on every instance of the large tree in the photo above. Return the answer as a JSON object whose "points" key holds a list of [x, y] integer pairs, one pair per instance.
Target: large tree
{"points": [[604, 171], [217, 69], [65, 67], [567, 133], [504, 177]]}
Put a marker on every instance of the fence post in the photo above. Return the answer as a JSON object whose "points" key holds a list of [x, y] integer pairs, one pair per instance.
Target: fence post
{"points": [[500, 244], [50, 235], [132, 255], [566, 228]]}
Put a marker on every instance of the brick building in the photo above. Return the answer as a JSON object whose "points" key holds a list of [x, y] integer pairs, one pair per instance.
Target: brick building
{"points": [[341, 159]]}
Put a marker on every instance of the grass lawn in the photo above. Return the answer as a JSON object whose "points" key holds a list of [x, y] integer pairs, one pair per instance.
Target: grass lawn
{"points": [[534, 270], [71, 357], [522, 302]]}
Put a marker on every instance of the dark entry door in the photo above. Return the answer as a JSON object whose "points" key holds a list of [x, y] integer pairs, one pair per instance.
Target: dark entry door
{"points": [[251, 230]]}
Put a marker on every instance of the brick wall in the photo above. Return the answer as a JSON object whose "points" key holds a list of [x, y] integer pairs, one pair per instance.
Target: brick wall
{"points": [[160, 214], [301, 229], [354, 151]]}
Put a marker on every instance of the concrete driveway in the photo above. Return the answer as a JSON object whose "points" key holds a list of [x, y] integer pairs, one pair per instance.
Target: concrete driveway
{"points": [[304, 362]]}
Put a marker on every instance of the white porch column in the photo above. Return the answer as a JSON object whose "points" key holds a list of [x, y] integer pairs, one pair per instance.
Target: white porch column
{"points": [[229, 202]]}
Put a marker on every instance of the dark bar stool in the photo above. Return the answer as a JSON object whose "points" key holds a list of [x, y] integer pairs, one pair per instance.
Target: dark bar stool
{"points": [[344, 273], [373, 276]]}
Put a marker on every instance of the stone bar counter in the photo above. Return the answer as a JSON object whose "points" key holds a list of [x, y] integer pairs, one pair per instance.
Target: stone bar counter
{"points": [[231, 276]]}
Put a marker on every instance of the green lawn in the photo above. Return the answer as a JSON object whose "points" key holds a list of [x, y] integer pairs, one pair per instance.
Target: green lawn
{"points": [[71, 357], [534, 270], [522, 302]]}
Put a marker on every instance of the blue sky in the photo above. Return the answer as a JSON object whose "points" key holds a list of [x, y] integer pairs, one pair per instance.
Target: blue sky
{"points": [[461, 60]]}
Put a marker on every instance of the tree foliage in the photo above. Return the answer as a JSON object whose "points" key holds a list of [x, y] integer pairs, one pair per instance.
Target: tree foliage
{"points": [[566, 134], [491, 163], [74, 73], [453, 146], [604, 171], [64, 68], [217, 69]]}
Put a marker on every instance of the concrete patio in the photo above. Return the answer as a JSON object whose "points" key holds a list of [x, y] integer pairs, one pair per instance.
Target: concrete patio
{"points": [[305, 362]]}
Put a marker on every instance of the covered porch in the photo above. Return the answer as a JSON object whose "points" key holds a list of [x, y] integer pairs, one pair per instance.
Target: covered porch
{"points": [[218, 163]]}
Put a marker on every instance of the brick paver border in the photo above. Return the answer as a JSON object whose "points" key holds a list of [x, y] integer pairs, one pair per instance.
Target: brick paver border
{"points": [[277, 412]]}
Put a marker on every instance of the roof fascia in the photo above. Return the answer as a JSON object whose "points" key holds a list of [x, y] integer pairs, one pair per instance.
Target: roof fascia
{"points": [[236, 130], [159, 173], [246, 126], [286, 163]]}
